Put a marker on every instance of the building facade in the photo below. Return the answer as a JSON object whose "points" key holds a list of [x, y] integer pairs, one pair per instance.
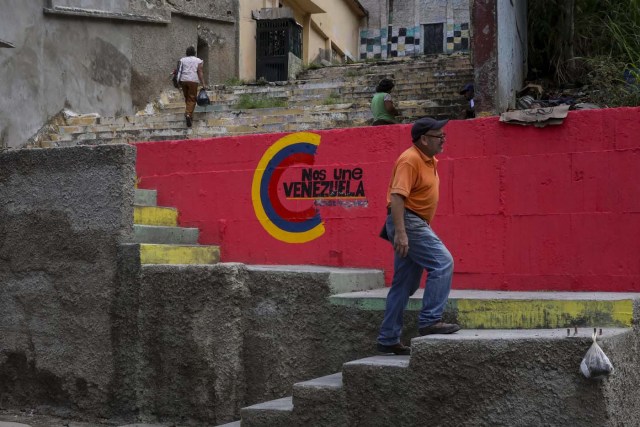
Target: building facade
{"points": [[329, 29], [493, 32], [103, 56], [400, 28]]}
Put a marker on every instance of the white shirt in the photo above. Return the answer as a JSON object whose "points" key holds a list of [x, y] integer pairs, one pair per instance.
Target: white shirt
{"points": [[189, 71]]}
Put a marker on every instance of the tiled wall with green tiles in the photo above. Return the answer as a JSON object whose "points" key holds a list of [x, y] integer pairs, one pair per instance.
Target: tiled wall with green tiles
{"points": [[457, 37], [391, 42]]}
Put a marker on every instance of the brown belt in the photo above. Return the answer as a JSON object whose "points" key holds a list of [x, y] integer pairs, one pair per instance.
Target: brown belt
{"points": [[407, 210]]}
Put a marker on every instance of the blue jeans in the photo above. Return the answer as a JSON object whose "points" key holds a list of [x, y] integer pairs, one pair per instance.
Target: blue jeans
{"points": [[426, 252]]}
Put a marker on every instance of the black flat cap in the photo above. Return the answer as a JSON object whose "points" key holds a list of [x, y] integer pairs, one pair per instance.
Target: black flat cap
{"points": [[424, 125]]}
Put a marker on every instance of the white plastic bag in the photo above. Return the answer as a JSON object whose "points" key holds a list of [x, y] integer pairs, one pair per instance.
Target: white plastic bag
{"points": [[596, 364]]}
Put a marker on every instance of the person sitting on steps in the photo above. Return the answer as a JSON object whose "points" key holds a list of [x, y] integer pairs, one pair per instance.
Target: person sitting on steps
{"points": [[189, 74], [382, 107], [470, 109]]}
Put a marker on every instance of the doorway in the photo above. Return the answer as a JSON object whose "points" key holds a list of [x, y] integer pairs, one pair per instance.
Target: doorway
{"points": [[433, 38], [203, 53]]}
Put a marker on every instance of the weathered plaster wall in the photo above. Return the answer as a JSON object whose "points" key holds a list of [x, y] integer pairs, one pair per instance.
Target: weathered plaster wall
{"points": [[63, 214], [341, 25], [247, 40], [317, 46], [521, 208], [58, 63], [377, 13], [105, 64], [511, 51]]}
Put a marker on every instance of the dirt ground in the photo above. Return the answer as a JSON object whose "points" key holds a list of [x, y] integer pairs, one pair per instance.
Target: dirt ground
{"points": [[33, 419]]}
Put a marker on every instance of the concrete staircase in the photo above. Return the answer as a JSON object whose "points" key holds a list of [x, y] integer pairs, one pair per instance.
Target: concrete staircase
{"points": [[472, 378], [331, 97], [160, 238], [515, 362]]}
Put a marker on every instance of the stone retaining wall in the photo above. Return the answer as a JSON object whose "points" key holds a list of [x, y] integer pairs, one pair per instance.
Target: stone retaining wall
{"points": [[63, 214]]}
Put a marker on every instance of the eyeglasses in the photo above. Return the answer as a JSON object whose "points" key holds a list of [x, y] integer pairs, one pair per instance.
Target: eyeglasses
{"points": [[440, 137]]}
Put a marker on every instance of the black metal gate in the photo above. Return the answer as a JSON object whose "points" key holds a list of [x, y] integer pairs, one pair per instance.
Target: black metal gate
{"points": [[275, 39]]}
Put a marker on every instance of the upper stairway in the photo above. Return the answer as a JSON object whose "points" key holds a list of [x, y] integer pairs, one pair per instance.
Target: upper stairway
{"points": [[324, 98]]}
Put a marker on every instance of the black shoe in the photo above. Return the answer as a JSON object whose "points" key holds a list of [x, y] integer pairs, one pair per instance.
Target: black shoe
{"points": [[397, 349], [439, 328], [189, 122]]}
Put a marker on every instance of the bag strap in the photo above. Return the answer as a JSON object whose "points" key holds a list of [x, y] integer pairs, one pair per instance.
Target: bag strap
{"points": [[179, 69]]}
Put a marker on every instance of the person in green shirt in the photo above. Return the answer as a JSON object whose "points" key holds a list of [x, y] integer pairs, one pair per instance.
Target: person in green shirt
{"points": [[382, 107]]}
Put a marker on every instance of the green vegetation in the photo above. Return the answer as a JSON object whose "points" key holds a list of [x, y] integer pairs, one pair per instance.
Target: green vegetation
{"points": [[333, 98], [353, 73], [594, 42], [234, 81], [248, 102], [608, 86]]}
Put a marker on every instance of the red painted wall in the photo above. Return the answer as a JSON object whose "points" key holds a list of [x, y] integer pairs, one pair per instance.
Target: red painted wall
{"points": [[521, 208]]}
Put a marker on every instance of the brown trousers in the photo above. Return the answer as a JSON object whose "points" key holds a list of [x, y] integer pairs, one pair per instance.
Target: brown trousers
{"points": [[190, 90]]}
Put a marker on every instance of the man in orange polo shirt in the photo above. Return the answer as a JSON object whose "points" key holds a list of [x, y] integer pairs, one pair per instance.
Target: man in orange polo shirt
{"points": [[412, 199]]}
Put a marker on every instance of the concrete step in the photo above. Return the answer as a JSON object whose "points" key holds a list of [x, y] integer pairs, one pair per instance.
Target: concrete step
{"points": [[82, 120], [201, 129], [336, 84], [320, 402], [301, 114], [165, 235], [145, 197], [178, 254], [493, 377], [155, 215], [386, 383], [241, 117], [273, 413], [515, 310], [297, 108], [388, 66], [340, 279], [418, 87]]}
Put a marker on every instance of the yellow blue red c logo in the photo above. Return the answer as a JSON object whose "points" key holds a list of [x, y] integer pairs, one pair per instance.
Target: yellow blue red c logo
{"points": [[281, 223]]}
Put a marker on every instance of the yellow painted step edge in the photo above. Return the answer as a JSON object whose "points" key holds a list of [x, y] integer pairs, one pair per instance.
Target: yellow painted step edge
{"points": [[509, 314], [155, 215], [178, 254]]}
